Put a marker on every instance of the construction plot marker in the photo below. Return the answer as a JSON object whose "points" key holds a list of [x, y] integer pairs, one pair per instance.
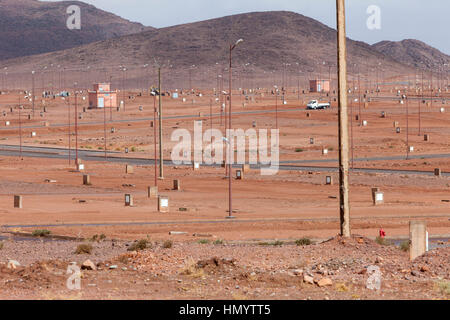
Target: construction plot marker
{"points": [[152, 192], [163, 204], [129, 169], [86, 180], [378, 198], [417, 239], [128, 200], [18, 201]]}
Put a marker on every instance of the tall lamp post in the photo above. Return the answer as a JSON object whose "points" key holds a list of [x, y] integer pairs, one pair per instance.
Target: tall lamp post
{"points": [[230, 155], [153, 93], [161, 160], [33, 95]]}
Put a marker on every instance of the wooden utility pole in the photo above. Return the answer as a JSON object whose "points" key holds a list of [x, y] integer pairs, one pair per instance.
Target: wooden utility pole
{"points": [[161, 160], [343, 120]]}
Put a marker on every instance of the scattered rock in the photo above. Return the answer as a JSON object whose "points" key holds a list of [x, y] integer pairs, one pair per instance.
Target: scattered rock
{"points": [[13, 264], [325, 282], [414, 273], [424, 269], [308, 279], [363, 271], [379, 260], [298, 272], [113, 267], [88, 265]]}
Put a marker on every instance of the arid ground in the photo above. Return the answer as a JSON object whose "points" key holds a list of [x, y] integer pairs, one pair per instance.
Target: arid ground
{"points": [[192, 251]]}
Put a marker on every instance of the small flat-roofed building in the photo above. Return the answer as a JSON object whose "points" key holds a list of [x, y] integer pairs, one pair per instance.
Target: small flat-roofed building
{"points": [[319, 85], [102, 96]]}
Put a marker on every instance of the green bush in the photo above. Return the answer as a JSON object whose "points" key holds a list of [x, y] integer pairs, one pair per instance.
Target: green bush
{"points": [[299, 150], [382, 241], [303, 242], [41, 233], [203, 241], [273, 243], [139, 245], [218, 242], [404, 246]]}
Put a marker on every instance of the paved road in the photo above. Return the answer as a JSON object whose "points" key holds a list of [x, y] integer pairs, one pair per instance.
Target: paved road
{"points": [[95, 155]]}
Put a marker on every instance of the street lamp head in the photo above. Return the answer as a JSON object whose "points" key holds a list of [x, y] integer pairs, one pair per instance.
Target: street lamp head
{"points": [[237, 43]]}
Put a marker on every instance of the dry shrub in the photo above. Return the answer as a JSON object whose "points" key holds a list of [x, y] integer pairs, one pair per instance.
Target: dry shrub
{"points": [[84, 249]]}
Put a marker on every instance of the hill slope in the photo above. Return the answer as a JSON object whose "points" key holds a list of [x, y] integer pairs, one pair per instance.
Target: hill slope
{"points": [[413, 53], [271, 39], [29, 27]]}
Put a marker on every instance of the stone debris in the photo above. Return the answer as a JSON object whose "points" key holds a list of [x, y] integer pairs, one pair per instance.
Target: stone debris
{"points": [[88, 265], [13, 264]]}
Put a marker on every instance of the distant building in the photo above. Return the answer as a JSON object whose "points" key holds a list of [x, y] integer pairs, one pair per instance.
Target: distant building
{"points": [[319, 85], [102, 96]]}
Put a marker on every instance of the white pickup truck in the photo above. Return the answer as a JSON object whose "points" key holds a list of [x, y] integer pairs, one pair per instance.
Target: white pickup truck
{"points": [[314, 105]]}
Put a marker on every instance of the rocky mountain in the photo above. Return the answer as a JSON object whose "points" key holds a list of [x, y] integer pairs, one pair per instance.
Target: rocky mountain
{"points": [[275, 43], [29, 27], [413, 53]]}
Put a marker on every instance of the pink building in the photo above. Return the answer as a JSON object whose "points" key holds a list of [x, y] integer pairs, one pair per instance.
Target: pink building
{"points": [[319, 85], [102, 96]]}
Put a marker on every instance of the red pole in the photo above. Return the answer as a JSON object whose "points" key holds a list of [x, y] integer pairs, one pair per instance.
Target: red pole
{"points": [[110, 99], [359, 97], [230, 210], [104, 126], [154, 135], [407, 128], [210, 117], [76, 129], [352, 121], [68, 102], [276, 109], [420, 102], [431, 89], [20, 132]]}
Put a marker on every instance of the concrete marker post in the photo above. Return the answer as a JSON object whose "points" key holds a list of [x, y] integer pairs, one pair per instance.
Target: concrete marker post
{"points": [[86, 180], [128, 200], [152, 192], [417, 238], [129, 169], [163, 204], [18, 201]]}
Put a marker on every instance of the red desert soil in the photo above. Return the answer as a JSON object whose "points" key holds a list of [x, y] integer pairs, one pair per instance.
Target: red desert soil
{"points": [[230, 271], [290, 205]]}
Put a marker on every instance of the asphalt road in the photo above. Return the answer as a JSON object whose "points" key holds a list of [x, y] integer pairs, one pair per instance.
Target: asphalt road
{"points": [[95, 155]]}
